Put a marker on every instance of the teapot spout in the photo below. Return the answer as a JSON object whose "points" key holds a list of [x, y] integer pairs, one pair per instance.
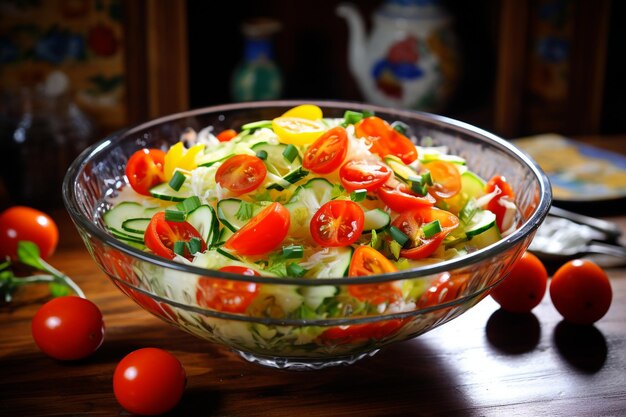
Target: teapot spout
{"points": [[357, 48]]}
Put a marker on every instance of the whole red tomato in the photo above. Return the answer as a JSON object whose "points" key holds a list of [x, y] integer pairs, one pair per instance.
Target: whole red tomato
{"points": [[68, 328], [149, 381], [581, 291], [524, 287], [25, 223]]}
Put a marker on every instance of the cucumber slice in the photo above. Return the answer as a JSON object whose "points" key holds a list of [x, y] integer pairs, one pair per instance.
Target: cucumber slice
{"points": [[138, 225], [480, 222], [277, 165], [223, 236], [205, 221], [329, 263], [126, 210], [305, 201], [257, 125], [167, 193], [436, 156], [376, 219], [472, 185], [314, 296], [484, 239], [400, 169], [234, 213]]}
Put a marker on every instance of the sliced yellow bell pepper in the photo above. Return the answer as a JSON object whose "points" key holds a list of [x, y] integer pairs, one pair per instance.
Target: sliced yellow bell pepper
{"points": [[179, 157]]}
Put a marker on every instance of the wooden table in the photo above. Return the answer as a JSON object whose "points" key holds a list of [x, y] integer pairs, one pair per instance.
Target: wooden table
{"points": [[484, 363]]}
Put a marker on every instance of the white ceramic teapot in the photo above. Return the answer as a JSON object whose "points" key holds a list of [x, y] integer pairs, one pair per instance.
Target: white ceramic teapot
{"points": [[410, 59]]}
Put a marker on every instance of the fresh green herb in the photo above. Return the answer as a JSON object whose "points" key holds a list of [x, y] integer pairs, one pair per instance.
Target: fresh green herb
{"points": [[336, 191], [177, 181], [246, 209], [28, 254], [293, 251], [358, 195]]}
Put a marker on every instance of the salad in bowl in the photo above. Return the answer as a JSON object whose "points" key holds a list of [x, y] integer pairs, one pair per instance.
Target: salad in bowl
{"points": [[304, 235]]}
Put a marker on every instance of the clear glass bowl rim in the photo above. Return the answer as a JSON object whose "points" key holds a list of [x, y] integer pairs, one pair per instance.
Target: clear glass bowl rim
{"points": [[528, 227]]}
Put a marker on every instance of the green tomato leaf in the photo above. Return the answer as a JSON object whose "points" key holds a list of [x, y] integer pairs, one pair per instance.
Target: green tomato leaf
{"points": [[28, 253]]}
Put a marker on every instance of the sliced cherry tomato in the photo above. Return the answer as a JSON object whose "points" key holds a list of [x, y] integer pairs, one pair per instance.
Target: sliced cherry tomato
{"points": [[367, 175], [161, 235], [359, 333], [337, 223], [25, 223], [385, 139], [397, 196], [149, 381], [297, 130], [227, 295], [263, 233], [144, 170], [226, 135], [524, 286], [241, 173], [68, 328], [446, 179], [368, 261], [445, 289], [498, 182], [327, 152], [411, 223], [581, 291]]}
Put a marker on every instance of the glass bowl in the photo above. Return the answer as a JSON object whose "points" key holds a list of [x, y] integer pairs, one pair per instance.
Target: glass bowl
{"points": [[268, 334]]}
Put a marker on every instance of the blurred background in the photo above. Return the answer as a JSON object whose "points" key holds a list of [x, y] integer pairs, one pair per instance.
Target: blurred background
{"points": [[72, 71]]}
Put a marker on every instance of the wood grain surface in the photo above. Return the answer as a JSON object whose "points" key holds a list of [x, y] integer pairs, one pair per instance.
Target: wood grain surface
{"points": [[484, 363]]}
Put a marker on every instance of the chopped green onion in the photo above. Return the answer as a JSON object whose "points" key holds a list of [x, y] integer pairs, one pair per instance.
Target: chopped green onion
{"points": [[351, 117], [290, 152], [191, 203], [295, 270], [368, 113], [194, 245], [293, 251], [398, 236], [427, 179], [358, 195], [418, 184], [431, 229], [179, 248], [400, 127], [173, 215], [262, 154], [177, 181]]}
